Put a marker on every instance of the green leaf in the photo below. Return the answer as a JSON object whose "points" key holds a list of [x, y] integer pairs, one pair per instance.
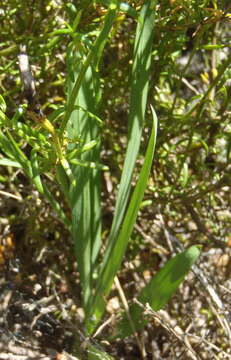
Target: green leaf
{"points": [[159, 290], [2, 104], [139, 92], [95, 353], [35, 171], [3, 117], [213, 46], [113, 256], [9, 162], [93, 54], [118, 239], [17, 153], [81, 120], [85, 193], [63, 180]]}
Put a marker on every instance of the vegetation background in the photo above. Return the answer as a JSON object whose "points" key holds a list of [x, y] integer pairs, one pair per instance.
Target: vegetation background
{"points": [[187, 198]]}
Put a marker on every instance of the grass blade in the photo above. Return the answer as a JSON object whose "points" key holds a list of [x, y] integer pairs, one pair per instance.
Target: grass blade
{"points": [[113, 256], [92, 56], [83, 100], [84, 194], [8, 162], [160, 289], [139, 92]]}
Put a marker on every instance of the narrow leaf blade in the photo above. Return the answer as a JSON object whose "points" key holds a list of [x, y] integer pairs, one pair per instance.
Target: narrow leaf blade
{"points": [[160, 289], [113, 257], [139, 92]]}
